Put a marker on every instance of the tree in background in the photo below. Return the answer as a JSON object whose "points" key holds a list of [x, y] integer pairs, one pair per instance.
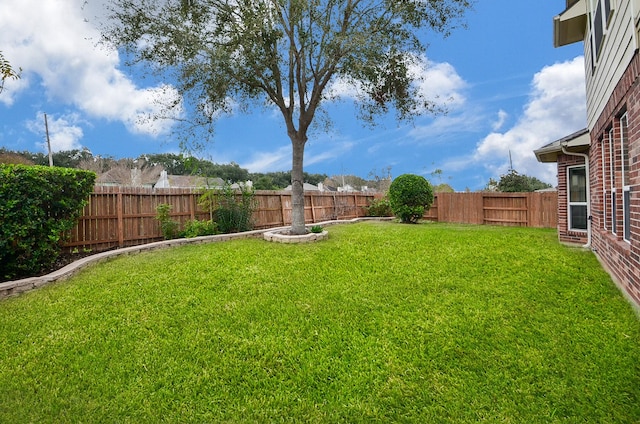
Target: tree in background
{"points": [[16, 158], [6, 71], [180, 164], [440, 187], [285, 53], [346, 180], [513, 182], [264, 182], [65, 158], [281, 179], [172, 163], [62, 158], [380, 180]]}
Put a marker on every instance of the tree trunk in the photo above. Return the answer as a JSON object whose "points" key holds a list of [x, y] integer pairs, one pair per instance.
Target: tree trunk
{"points": [[297, 187]]}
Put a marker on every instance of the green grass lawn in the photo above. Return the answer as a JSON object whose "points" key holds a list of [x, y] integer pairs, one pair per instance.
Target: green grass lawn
{"points": [[383, 322]]}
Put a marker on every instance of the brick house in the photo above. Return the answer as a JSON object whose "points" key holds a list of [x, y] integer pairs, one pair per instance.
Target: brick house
{"points": [[599, 167], [570, 153]]}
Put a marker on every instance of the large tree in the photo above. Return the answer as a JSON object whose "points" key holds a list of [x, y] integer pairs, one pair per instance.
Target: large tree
{"points": [[286, 53], [514, 182]]}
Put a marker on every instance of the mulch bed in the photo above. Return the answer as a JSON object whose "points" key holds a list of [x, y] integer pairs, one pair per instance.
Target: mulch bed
{"points": [[64, 259]]}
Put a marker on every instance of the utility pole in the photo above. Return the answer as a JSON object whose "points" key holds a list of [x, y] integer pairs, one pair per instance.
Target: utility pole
{"points": [[46, 127], [510, 162]]}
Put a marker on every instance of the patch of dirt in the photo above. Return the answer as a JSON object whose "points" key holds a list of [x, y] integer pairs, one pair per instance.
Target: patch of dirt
{"points": [[64, 259]]}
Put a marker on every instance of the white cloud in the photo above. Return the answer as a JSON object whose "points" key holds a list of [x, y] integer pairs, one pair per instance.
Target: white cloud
{"points": [[321, 150], [327, 150], [556, 108], [502, 117], [448, 126], [279, 159], [438, 82], [65, 132], [53, 41]]}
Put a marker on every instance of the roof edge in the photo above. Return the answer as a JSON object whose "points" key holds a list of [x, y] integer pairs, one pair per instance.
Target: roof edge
{"points": [[578, 141]]}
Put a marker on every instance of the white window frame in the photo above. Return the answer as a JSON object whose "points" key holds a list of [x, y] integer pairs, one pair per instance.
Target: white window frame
{"points": [[626, 186], [606, 8], [612, 178], [571, 203], [603, 145]]}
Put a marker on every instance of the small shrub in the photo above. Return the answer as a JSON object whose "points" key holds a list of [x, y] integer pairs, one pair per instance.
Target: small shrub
{"points": [[168, 227], [230, 208], [379, 207], [409, 196], [316, 229], [196, 228]]}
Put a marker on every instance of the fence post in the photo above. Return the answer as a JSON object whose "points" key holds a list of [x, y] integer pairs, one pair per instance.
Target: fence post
{"points": [[282, 210], [119, 206], [527, 205], [355, 205]]}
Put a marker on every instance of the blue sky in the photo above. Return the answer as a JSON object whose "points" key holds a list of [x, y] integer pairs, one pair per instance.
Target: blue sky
{"points": [[508, 91]]}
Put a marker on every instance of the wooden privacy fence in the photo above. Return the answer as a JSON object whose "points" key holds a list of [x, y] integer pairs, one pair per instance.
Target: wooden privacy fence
{"points": [[125, 216], [514, 209]]}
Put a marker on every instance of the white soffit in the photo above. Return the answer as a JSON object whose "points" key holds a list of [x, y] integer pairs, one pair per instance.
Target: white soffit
{"points": [[570, 26]]}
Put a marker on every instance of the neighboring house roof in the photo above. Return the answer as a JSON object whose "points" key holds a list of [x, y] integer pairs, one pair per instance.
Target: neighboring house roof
{"points": [[186, 181], [306, 186], [578, 142], [247, 184], [127, 177], [346, 188]]}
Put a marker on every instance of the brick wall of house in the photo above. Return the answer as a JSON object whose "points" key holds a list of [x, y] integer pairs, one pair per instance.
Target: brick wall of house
{"points": [[564, 234], [620, 257]]}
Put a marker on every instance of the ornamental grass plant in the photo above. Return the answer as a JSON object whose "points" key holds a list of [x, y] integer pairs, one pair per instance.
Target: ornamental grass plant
{"points": [[383, 322]]}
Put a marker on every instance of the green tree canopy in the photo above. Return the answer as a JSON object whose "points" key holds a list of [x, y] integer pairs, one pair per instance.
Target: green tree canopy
{"points": [[443, 188], [285, 54], [281, 179], [6, 71], [179, 164], [513, 182]]}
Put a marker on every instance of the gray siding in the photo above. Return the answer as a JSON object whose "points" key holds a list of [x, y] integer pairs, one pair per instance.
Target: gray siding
{"points": [[620, 42]]}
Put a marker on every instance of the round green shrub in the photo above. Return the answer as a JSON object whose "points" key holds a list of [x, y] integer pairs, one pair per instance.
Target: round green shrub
{"points": [[410, 195]]}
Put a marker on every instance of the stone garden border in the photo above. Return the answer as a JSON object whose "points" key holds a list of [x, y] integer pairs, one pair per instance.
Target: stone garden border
{"points": [[282, 236], [12, 288]]}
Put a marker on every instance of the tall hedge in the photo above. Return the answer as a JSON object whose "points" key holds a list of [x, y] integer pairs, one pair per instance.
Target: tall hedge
{"points": [[37, 204]]}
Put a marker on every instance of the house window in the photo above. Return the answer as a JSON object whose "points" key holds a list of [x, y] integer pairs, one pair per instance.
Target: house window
{"points": [[577, 184], [605, 193], [600, 13], [607, 11], [626, 184], [612, 179]]}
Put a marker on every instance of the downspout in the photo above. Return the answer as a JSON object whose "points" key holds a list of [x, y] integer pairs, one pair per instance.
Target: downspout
{"points": [[586, 164]]}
